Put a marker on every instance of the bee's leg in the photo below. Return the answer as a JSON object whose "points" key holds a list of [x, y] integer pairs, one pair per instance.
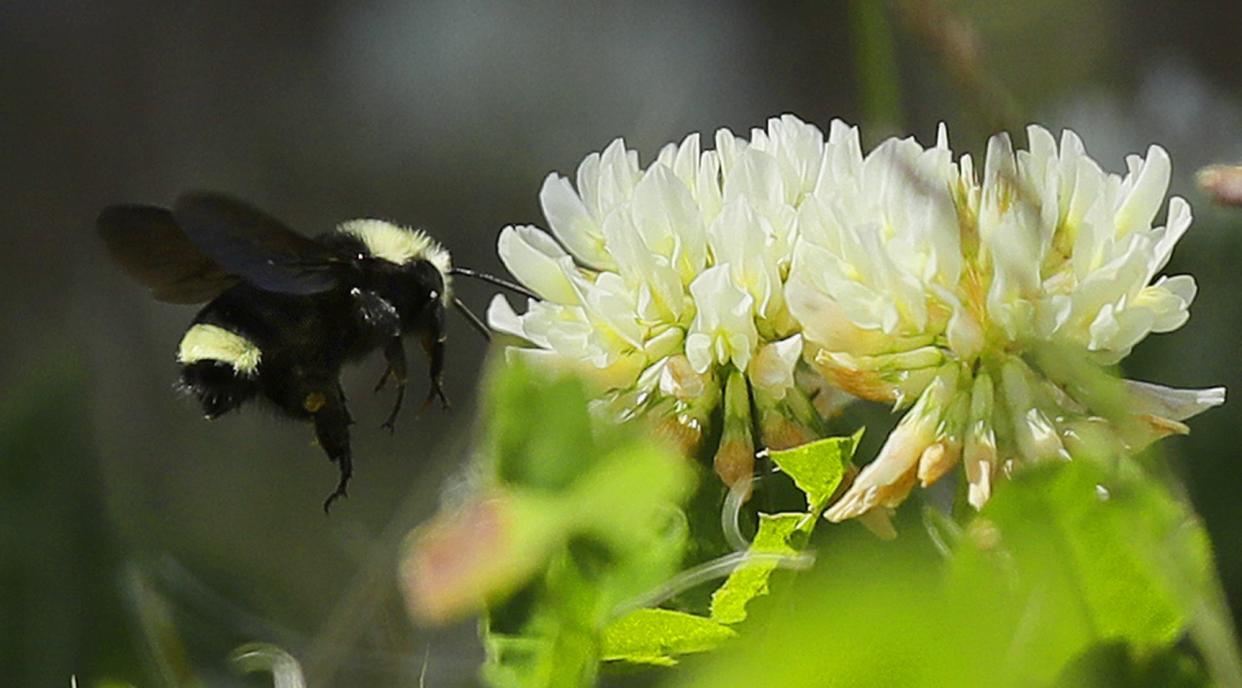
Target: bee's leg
{"points": [[433, 344], [332, 429], [341, 392], [378, 315], [394, 355]]}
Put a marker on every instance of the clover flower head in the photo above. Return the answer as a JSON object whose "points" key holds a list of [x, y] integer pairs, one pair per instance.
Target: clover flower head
{"points": [[748, 284], [965, 298], [666, 285]]}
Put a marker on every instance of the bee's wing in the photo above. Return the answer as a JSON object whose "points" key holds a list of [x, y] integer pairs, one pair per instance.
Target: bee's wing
{"points": [[251, 244], [147, 244]]}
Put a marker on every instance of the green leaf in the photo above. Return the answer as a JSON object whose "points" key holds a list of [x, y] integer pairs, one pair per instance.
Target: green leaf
{"points": [[817, 468], [1054, 581], [876, 615], [1086, 555], [540, 429], [750, 580], [658, 636], [620, 535], [556, 655], [601, 483], [555, 639], [624, 500], [578, 517]]}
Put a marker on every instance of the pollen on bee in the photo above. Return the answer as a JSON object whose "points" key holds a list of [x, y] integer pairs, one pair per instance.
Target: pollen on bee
{"points": [[314, 401]]}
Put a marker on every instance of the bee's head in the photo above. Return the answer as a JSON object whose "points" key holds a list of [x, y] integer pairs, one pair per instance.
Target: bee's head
{"points": [[404, 247], [411, 270]]}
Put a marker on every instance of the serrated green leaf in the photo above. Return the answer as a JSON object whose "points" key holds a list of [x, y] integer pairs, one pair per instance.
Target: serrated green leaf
{"points": [[750, 580], [659, 636], [817, 468]]}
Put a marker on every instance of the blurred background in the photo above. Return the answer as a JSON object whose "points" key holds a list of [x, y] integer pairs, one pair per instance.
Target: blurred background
{"points": [[140, 544]]}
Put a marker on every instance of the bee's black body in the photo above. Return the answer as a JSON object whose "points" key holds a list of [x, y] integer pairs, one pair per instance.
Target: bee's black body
{"points": [[286, 312], [306, 338]]}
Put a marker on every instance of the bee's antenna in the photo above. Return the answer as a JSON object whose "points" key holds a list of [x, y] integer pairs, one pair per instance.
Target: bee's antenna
{"points": [[503, 283], [472, 318]]}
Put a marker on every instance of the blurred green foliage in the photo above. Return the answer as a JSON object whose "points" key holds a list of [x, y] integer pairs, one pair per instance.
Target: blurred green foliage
{"points": [[1086, 571], [589, 517], [1076, 575], [60, 611]]}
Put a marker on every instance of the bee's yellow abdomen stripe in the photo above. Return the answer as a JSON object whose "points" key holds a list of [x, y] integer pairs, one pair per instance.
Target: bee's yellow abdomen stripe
{"points": [[204, 342]]}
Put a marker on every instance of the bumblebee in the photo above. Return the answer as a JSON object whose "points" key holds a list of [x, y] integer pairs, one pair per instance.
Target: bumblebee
{"points": [[285, 312]]}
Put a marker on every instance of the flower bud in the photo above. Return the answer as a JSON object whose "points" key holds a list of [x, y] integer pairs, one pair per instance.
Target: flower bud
{"points": [[787, 422], [1036, 437], [979, 450], [735, 458]]}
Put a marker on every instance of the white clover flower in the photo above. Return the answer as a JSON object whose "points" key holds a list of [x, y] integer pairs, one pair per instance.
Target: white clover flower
{"points": [[919, 285], [753, 276], [666, 285]]}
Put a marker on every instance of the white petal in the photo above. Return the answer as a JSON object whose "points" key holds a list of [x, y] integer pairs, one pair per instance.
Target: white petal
{"points": [[1169, 300], [618, 172], [686, 162], [827, 324], [666, 215], [756, 175], [588, 184], [537, 261], [1041, 144], [661, 295], [843, 159], [699, 351], [678, 378], [707, 190], [610, 305], [1172, 403], [728, 147], [772, 368], [888, 479], [1177, 224], [739, 238], [726, 316], [1147, 194], [665, 343], [964, 333], [999, 174], [502, 318], [572, 223]]}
